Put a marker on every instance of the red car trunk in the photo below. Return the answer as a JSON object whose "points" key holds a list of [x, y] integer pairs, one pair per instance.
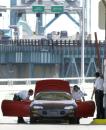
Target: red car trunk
{"points": [[52, 85]]}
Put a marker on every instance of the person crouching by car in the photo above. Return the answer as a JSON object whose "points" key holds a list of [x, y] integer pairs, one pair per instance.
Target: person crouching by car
{"points": [[22, 95], [77, 94]]}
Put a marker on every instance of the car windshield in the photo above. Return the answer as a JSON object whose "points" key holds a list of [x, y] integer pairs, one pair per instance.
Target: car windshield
{"points": [[53, 96]]}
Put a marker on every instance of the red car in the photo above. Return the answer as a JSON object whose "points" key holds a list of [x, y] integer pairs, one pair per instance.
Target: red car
{"points": [[52, 101]]}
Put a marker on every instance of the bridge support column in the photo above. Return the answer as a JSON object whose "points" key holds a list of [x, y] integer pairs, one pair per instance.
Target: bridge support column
{"points": [[31, 67]]}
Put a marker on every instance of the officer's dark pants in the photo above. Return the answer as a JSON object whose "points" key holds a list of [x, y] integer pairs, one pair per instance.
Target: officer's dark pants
{"points": [[99, 104], [17, 98]]}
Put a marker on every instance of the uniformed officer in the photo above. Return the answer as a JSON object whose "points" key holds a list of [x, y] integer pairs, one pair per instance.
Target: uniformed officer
{"points": [[98, 91], [22, 95]]}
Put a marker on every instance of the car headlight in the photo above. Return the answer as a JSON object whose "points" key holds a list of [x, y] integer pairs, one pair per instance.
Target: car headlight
{"points": [[68, 107], [37, 107]]}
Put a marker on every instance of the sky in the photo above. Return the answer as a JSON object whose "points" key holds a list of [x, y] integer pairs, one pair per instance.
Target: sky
{"points": [[4, 22], [62, 23]]}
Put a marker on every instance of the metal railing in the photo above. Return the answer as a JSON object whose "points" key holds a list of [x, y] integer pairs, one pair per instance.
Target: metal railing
{"points": [[29, 81]]}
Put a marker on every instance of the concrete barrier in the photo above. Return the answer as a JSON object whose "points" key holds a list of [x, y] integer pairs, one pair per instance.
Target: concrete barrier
{"points": [[99, 122]]}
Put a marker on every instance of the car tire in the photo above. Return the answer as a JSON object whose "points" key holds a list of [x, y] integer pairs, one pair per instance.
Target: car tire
{"points": [[73, 120], [33, 120]]}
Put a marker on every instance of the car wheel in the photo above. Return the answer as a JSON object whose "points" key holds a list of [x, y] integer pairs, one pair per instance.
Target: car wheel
{"points": [[32, 120], [73, 120]]}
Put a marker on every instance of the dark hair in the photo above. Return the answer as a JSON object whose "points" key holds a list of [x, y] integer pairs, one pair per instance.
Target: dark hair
{"points": [[97, 74], [30, 91], [75, 86]]}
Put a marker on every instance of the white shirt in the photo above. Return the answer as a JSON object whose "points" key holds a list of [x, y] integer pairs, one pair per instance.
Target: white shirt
{"points": [[99, 83], [23, 94], [77, 95]]}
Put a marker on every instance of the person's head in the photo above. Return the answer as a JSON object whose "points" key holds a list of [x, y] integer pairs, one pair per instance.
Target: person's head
{"points": [[97, 74], [75, 88], [30, 92]]}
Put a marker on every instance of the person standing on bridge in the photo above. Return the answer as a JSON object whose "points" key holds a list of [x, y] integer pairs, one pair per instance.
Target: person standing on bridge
{"points": [[22, 95], [98, 91]]}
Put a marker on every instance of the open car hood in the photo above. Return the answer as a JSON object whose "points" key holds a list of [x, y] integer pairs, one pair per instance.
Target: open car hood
{"points": [[52, 85]]}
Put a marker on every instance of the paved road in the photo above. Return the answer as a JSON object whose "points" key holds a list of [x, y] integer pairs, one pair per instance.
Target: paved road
{"points": [[52, 127]]}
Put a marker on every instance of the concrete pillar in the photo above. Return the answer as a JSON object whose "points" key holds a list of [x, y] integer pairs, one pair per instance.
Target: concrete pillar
{"points": [[13, 17], [31, 72], [57, 70]]}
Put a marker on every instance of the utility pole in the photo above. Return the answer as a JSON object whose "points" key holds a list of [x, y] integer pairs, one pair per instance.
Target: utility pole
{"points": [[98, 63], [83, 42]]}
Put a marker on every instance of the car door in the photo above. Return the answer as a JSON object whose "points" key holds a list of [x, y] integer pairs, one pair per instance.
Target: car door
{"points": [[85, 109], [15, 108]]}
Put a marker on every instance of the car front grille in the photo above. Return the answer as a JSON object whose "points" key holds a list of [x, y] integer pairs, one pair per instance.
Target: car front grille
{"points": [[53, 113], [53, 106]]}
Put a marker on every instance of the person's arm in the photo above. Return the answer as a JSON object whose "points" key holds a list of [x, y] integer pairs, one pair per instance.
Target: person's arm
{"points": [[81, 95], [83, 98], [93, 93]]}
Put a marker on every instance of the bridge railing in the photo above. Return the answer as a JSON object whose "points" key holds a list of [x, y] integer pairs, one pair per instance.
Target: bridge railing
{"points": [[29, 81]]}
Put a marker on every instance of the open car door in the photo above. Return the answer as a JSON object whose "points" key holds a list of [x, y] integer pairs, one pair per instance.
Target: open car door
{"points": [[85, 109], [15, 108]]}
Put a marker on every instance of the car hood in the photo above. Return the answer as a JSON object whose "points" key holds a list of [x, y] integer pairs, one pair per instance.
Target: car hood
{"points": [[42, 102]]}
